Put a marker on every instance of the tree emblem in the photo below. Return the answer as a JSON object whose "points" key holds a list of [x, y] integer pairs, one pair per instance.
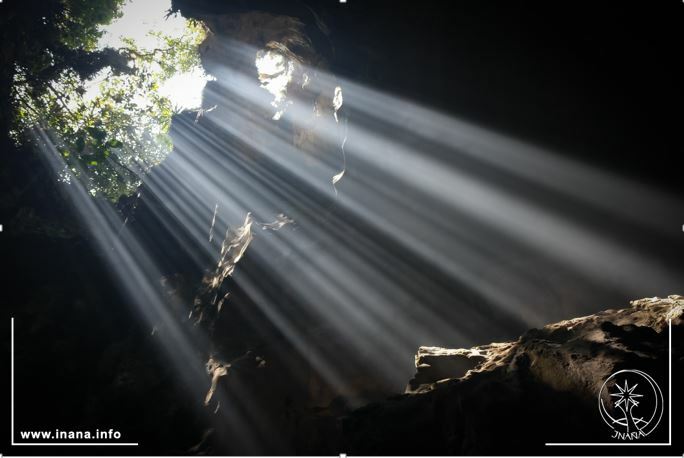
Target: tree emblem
{"points": [[631, 403]]}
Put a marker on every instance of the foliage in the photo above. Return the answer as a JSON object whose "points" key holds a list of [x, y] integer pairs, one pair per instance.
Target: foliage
{"points": [[108, 121], [42, 38]]}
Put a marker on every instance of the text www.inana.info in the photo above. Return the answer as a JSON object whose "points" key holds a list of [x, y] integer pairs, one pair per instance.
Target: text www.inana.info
{"points": [[70, 435]]}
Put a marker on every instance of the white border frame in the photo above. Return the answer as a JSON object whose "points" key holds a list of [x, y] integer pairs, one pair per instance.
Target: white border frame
{"points": [[70, 444]]}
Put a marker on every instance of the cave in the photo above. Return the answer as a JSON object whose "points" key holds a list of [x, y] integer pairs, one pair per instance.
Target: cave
{"points": [[342, 228]]}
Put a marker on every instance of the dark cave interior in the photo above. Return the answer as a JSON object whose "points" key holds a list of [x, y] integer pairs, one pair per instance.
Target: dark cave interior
{"points": [[596, 83]]}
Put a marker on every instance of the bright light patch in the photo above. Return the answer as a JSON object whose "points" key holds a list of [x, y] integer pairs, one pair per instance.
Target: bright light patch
{"points": [[140, 17], [275, 74], [185, 89]]}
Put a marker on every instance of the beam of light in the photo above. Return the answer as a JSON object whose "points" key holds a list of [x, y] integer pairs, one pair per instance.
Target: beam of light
{"points": [[444, 231], [124, 255], [591, 254], [353, 314], [646, 207], [603, 189], [480, 232], [281, 150], [139, 277], [522, 219]]}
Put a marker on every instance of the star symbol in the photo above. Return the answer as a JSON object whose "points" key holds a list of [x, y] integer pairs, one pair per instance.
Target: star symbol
{"points": [[627, 395]]}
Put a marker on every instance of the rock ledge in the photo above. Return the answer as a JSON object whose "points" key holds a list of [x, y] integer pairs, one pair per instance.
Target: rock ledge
{"points": [[510, 398]]}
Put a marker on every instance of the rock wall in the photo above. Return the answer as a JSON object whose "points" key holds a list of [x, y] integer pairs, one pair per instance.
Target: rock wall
{"points": [[512, 398]]}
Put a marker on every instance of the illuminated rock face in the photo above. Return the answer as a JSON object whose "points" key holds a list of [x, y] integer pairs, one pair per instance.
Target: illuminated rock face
{"points": [[434, 364], [514, 397]]}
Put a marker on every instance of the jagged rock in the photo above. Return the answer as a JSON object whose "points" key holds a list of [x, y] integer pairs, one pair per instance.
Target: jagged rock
{"points": [[511, 398], [434, 364]]}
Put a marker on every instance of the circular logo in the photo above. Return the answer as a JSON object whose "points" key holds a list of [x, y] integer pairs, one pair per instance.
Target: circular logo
{"points": [[631, 403]]}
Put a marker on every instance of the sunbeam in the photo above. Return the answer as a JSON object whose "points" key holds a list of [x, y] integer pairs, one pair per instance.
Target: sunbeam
{"points": [[331, 228]]}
